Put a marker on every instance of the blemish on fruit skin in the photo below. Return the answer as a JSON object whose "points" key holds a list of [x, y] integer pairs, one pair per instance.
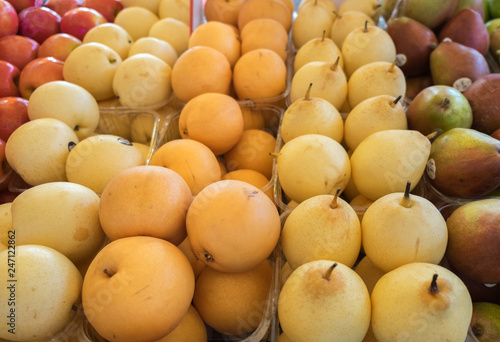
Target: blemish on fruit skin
{"points": [[81, 234], [251, 193]]}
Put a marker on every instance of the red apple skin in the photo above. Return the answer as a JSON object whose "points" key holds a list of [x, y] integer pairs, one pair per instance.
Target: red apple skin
{"points": [[108, 8], [77, 22], [13, 113], [9, 79], [9, 22], [58, 46], [18, 50], [19, 5], [62, 6], [39, 71], [38, 23]]}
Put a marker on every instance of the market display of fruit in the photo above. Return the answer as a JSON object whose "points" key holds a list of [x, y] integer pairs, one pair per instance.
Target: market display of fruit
{"points": [[249, 170]]}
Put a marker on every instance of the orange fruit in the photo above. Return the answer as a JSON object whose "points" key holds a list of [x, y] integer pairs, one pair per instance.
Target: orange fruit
{"points": [[191, 159], [225, 11], [201, 69], [273, 9], [252, 152], [232, 226], [213, 119], [191, 329], [221, 36], [233, 303], [145, 200], [259, 74], [196, 264], [252, 177], [264, 33], [253, 118]]}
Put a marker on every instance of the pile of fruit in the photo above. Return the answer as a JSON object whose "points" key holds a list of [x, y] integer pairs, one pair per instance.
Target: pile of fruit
{"points": [[312, 170]]}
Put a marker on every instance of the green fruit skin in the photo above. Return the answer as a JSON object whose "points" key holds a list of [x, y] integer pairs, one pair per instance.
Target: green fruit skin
{"points": [[485, 322], [427, 113]]}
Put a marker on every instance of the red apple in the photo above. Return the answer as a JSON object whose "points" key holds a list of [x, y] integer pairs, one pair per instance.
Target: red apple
{"points": [[9, 22], [77, 22], [62, 6], [18, 50], [13, 113], [58, 46], [108, 8], [19, 5], [38, 23], [39, 71], [9, 79]]}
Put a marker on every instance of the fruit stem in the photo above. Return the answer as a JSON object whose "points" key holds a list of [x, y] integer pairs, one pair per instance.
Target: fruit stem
{"points": [[336, 64], [434, 288], [329, 271], [432, 136], [395, 102], [334, 203], [208, 257], [338, 16], [391, 68], [323, 36], [274, 154], [307, 97], [366, 26], [108, 272], [445, 103], [406, 201]]}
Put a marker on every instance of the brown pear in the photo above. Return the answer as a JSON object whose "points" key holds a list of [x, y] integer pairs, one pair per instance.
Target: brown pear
{"points": [[483, 97], [414, 41], [451, 61], [467, 27]]}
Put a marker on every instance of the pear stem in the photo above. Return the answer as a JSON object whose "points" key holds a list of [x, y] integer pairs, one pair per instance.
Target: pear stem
{"points": [[406, 201], [391, 68], [366, 25], [445, 103], [336, 64], [108, 272], [432, 136], [329, 271], [334, 203], [395, 102], [434, 288], [338, 16], [323, 36], [307, 97], [274, 154]]}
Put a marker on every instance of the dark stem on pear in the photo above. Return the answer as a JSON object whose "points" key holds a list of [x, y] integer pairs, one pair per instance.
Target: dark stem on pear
{"points": [[323, 36], [395, 102], [328, 273], [108, 272], [445, 103], [432, 136], [336, 64], [307, 97], [366, 25], [406, 201], [434, 288], [334, 203], [337, 14]]}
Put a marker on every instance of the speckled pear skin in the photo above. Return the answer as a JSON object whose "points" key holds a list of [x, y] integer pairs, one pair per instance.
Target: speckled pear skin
{"points": [[464, 163]]}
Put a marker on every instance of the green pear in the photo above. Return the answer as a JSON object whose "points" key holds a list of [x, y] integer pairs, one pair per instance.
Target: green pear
{"points": [[477, 5], [431, 13], [439, 107], [385, 161], [420, 302], [474, 237], [494, 41], [464, 163], [485, 323], [411, 225]]}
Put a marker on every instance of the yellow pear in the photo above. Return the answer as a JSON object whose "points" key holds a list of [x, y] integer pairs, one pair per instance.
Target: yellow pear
{"points": [[321, 49], [329, 79], [386, 160], [311, 115], [420, 302], [325, 301], [370, 7], [323, 227], [310, 165], [365, 45], [372, 115], [312, 21], [376, 78], [400, 228], [346, 23], [328, 5]]}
